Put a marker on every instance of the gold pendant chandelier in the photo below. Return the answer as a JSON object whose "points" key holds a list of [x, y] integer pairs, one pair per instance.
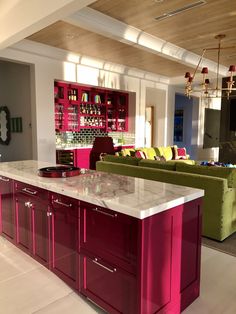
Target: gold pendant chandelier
{"points": [[206, 88]]}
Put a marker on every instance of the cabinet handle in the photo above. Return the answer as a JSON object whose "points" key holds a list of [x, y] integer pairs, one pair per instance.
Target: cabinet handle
{"points": [[104, 213], [4, 179], [49, 214], [61, 203], [109, 269], [28, 204], [29, 191]]}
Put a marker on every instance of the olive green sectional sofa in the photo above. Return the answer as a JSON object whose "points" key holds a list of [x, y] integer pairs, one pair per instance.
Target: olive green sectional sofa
{"points": [[219, 184]]}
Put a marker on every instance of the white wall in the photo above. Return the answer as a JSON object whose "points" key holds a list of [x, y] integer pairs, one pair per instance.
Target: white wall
{"points": [[51, 63], [157, 99], [15, 94]]}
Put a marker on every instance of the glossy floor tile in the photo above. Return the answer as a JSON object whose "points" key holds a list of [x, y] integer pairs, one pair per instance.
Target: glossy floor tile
{"points": [[26, 287]]}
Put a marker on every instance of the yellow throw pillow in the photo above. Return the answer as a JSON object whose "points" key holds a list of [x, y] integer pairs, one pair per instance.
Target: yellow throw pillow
{"points": [[151, 153], [167, 152]]}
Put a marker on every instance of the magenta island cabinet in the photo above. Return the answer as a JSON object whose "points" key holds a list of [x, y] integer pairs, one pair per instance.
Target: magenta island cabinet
{"points": [[130, 245]]}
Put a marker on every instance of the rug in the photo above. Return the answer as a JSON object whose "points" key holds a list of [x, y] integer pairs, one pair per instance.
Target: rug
{"points": [[228, 246]]}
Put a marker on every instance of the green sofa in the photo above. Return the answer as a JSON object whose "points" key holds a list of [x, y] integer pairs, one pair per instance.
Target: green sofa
{"points": [[219, 184]]}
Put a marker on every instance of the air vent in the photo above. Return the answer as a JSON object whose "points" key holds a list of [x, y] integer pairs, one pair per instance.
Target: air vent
{"points": [[180, 10]]}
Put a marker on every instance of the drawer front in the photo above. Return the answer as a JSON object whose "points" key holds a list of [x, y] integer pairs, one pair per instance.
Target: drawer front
{"points": [[109, 234], [64, 204], [31, 191], [110, 287]]}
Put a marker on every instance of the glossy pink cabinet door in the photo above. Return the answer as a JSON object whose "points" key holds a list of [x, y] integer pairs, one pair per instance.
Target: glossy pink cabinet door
{"points": [[109, 286], [41, 228], [64, 238], [23, 223], [110, 235], [7, 209]]}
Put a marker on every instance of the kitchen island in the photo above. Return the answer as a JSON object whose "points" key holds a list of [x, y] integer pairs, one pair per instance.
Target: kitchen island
{"points": [[130, 245]]}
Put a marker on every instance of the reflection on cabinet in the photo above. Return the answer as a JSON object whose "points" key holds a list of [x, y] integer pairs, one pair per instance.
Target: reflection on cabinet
{"points": [[7, 212], [85, 107], [64, 237]]}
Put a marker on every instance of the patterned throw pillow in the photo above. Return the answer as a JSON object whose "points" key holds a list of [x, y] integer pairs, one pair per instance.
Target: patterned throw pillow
{"points": [[180, 153], [140, 154]]}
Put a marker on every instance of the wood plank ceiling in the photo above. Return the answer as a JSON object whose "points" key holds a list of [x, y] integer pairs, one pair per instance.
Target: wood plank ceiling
{"points": [[193, 30]]}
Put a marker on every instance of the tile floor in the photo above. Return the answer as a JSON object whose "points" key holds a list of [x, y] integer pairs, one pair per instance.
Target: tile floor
{"points": [[26, 287]]}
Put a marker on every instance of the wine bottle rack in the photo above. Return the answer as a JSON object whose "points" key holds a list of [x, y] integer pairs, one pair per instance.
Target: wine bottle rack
{"points": [[79, 107]]}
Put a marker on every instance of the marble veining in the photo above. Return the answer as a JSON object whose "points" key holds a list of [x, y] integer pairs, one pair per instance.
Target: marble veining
{"points": [[132, 196]]}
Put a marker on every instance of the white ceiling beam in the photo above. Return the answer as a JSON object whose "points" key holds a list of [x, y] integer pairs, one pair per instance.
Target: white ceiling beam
{"points": [[22, 18], [105, 25], [42, 50]]}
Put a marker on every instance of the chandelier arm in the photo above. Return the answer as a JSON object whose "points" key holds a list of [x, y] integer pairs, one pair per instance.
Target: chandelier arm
{"points": [[200, 60], [216, 48]]}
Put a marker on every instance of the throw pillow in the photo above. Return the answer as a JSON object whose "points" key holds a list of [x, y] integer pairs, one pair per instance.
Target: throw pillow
{"points": [[140, 154], [167, 152], [180, 153]]}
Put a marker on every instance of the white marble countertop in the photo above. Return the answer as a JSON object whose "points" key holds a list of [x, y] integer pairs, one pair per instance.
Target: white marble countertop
{"points": [[71, 147], [131, 196]]}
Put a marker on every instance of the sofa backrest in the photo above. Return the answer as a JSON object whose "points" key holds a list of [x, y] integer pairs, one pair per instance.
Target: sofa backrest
{"points": [[157, 164], [122, 159], [221, 172]]}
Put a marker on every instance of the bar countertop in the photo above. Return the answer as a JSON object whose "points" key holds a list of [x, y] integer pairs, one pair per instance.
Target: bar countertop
{"points": [[131, 196]]}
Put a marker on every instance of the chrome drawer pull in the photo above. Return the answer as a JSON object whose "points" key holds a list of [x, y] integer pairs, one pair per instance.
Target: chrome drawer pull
{"points": [[110, 270], [4, 179], [104, 213], [61, 203], [29, 191], [28, 204]]}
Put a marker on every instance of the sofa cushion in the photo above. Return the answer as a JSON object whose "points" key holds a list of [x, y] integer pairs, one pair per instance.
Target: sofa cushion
{"points": [[183, 161], [165, 152], [122, 159], [157, 164], [221, 172], [127, 152]]}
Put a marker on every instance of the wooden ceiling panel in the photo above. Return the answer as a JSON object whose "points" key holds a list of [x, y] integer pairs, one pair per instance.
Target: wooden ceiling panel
{"points": [[193, 29], [69, 37]]}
